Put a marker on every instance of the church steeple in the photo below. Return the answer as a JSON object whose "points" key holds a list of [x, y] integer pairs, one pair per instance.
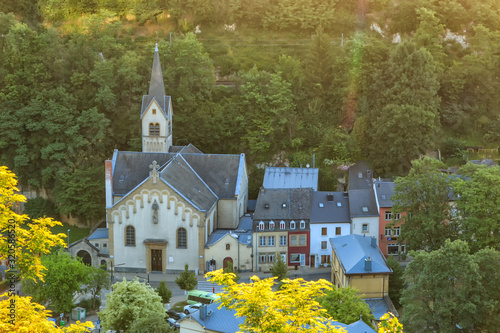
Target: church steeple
{"points": [[156, 113]]}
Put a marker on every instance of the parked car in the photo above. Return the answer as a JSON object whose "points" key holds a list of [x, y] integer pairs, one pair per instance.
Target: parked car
{"points": [[190, 308], [173, 323], [175, 314]]}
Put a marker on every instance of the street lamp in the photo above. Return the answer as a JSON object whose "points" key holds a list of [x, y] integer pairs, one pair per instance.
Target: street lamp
{"points": [[68, 239]]}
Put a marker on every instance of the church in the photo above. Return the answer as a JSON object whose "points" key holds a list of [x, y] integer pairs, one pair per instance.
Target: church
{"points": [[164, 202]]}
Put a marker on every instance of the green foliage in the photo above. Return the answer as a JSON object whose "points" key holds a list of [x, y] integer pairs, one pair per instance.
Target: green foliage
{"points": [[229, 269], [40, 207], [129, 302], [396, 281], [450, 288], [478, 206], [164, 292], [279, 269], [152, 323], [186, 280], [65, 276], [98, 280], [346, 306], [422, 199], [90, 303]]}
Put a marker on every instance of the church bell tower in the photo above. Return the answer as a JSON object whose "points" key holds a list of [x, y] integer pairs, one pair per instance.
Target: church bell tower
{"points": [[156, 113]]}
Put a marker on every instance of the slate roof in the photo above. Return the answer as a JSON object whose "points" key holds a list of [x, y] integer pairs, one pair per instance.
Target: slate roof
{"points": [[132, 168], [484, 161], [356, 327], [200, 178], [298, 203], [218, 320], [380, 306], [384, 190], [365, 182], [181, 177], [100, 233], [352, 250], [358, 199], [291, 178], [218, 171], [325, 211], [156, 88]]}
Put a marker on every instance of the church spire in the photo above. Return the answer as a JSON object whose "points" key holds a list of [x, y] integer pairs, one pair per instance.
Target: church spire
{"points": [[156, 86]]}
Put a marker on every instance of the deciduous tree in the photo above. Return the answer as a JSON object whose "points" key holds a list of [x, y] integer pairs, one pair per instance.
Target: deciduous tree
{"points": [[128, 303], [422, 198], [346, 306]]}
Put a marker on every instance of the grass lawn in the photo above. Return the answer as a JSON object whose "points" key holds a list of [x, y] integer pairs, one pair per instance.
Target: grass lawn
{"points": [[179, 306], [75, 232]]}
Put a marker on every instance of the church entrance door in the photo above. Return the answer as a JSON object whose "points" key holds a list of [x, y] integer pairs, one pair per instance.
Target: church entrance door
{"points": [[156, 260], [227, 261]]}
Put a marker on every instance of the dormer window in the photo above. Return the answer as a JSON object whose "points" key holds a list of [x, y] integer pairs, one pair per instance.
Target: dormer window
{"points": [[339, 204], [261, 225], [302, 224], [364, 209], [292, 225], [271, 225], [282, 225], [154, 129]]}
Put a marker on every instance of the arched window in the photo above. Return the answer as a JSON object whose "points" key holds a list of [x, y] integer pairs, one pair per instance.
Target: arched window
{"points": [[129, 236], [292, 225], [302, 224], [282, 225], [154, 129], [271, 225], [181, 238], [261, 225]]}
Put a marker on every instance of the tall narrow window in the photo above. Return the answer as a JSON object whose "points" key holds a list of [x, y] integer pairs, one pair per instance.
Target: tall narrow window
{"points": [[129, 236], [282, 225], [261, 225], [271, 225], [181, 238], [154, 129], [302, 224]]}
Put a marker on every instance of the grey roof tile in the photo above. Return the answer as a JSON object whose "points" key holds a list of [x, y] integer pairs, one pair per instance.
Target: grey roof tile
{"points": [[360, 176], [384, 191], [180, 176], [293, 203], [325, 211], [362, 203]]}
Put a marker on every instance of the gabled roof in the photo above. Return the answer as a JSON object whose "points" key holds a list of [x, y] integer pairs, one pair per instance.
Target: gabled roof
{"points": [[286, 204], [220, 172], [218, 320], [200, 178], [352, 250], [179, 175], [384, 190], [380, 306], [362, 203], [290, 178], [360, 176], [330, 207], [131, 168]]}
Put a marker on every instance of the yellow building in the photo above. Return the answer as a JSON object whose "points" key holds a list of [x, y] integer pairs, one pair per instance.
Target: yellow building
{"points": [[359, 263]]}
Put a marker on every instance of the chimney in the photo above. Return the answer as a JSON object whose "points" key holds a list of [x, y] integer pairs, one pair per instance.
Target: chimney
{"points": [[329, 197], [368, 265], [203, 312], [374, 242], [109, 183]]}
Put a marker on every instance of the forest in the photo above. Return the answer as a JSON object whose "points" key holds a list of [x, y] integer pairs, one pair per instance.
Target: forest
{"points": [[282, 80]]}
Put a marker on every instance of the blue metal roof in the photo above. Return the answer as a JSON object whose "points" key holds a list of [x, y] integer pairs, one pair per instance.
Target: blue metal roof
{"points": [[352, 250], [99, 233], [291, 178], [379, 307], [219, 320]]}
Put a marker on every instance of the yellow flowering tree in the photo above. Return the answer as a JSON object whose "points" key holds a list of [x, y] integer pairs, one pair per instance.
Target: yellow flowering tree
{"points": [[292, 308], [19, 314], [23, 241]]}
